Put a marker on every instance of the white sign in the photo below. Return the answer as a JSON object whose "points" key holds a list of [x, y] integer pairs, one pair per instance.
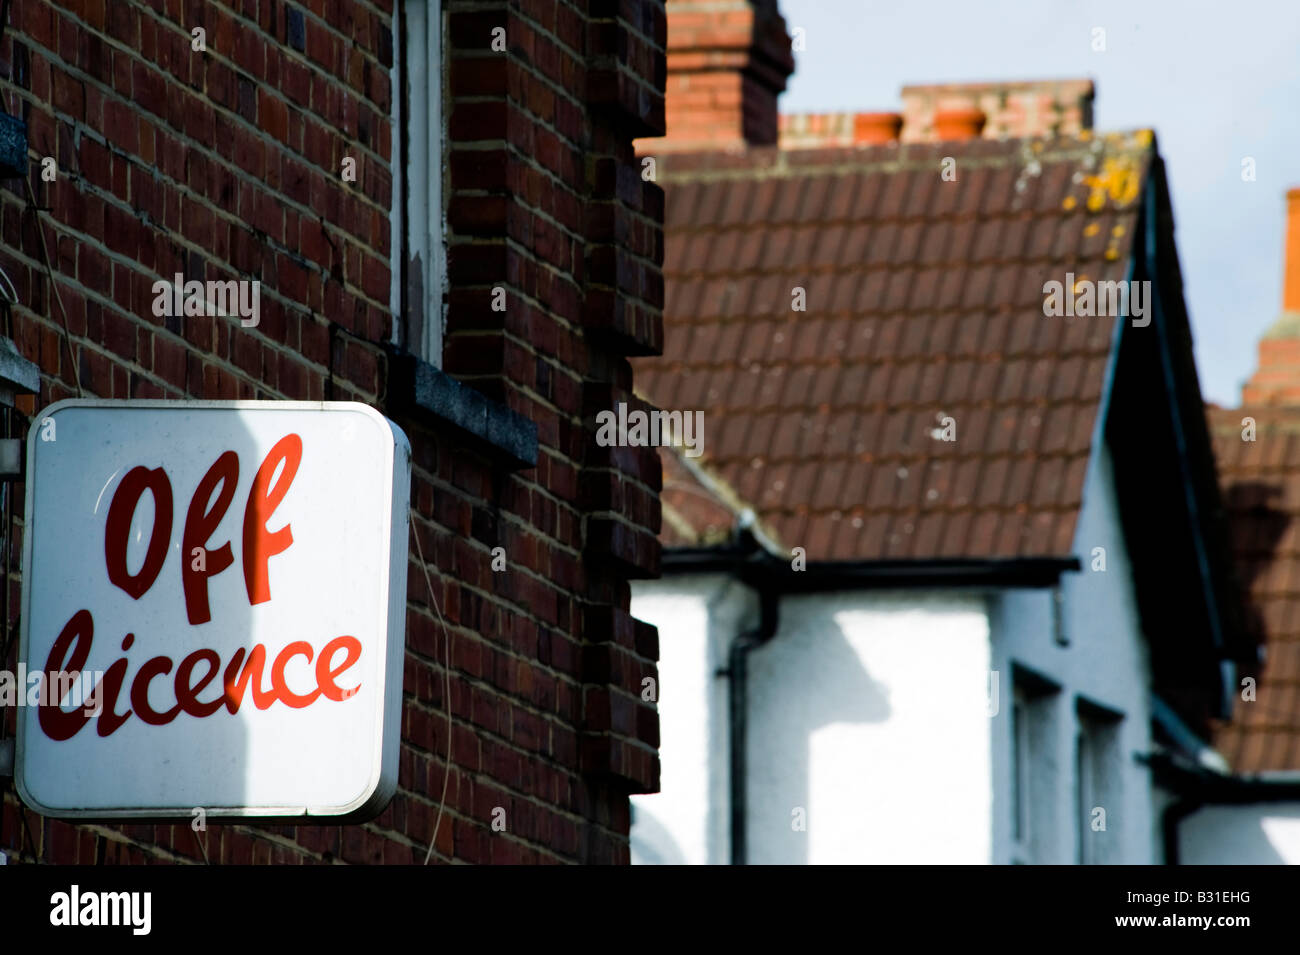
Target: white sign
{"points": [[236, 571]]}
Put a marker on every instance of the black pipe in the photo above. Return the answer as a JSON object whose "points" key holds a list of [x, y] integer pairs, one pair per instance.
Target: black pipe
{"points": [[737, 704]]}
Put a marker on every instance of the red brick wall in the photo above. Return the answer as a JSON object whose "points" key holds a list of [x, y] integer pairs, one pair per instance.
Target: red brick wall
{"points": [[728, 60], [227, 164]]}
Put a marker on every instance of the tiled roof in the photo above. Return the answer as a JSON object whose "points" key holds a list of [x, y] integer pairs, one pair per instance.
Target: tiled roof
{"points": [[694, 515], [924, 301], [1261, 493]]}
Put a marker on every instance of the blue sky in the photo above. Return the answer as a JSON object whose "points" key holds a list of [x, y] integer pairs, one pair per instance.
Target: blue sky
{"points": [[1216, 81]]}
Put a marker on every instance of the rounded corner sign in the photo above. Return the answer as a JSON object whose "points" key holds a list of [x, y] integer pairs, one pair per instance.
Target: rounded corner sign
{"points": [[213, 609]]}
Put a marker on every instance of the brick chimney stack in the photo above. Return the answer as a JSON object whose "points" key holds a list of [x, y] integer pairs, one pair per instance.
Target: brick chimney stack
{"points": [[1277, 382], [728, 60], [1013, 108], [953, 111]]}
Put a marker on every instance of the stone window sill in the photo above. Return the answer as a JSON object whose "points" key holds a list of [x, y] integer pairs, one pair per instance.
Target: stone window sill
{"points": [[422, 391]]}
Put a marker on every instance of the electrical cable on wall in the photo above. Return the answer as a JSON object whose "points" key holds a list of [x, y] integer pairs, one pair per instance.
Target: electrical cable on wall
{"points": [[7, 287], [446, 674], [54, 285]]}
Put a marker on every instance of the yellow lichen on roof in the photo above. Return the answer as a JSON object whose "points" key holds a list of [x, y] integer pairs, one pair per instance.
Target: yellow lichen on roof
{"points": [[1120, 180]]}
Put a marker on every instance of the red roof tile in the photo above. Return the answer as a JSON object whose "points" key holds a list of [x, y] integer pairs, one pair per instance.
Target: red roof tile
{"points": [[1260, 480], [924, 303]]}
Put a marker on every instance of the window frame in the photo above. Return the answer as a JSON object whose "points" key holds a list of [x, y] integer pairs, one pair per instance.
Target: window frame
{"points": [[1021, 756], [1034, 767], [418, 225], [1098, 767]]}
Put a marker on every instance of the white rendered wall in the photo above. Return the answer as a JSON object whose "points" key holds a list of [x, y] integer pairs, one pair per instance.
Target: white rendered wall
{"points": [[1105, 661], [687, 821], [868, 711], [1252, 834]]}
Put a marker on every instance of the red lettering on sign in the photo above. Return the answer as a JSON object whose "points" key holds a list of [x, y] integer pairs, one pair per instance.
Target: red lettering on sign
{"points": [[244, 672], [71, 650], [260, 545], [200, 523], [158, 666], [281, 689], [57, 722], [187, 692], [325, 674], [125, 501], [111, 685], [252, 671]]}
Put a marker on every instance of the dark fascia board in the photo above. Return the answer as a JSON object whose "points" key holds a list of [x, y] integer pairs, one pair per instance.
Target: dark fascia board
{"points": [[1155, 371], [1206, 787], [420, 390], [1227, 633], [763, 569]]}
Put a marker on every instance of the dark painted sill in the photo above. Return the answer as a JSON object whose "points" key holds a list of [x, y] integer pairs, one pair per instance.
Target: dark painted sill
{"points": [[419, 389]]}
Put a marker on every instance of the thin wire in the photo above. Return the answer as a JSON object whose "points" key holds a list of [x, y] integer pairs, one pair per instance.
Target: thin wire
{"points": [[446, 674], [7, 634], [6, 499], [36, 859], [202, 848], [49, 269], [9, 291]]}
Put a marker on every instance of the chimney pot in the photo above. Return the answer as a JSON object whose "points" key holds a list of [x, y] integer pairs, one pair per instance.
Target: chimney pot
{"points": [[877, 127], [959, 124], [1291, 275]]}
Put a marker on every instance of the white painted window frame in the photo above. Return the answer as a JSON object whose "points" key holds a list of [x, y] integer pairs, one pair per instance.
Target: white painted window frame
{"points": [[418, 223]]}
